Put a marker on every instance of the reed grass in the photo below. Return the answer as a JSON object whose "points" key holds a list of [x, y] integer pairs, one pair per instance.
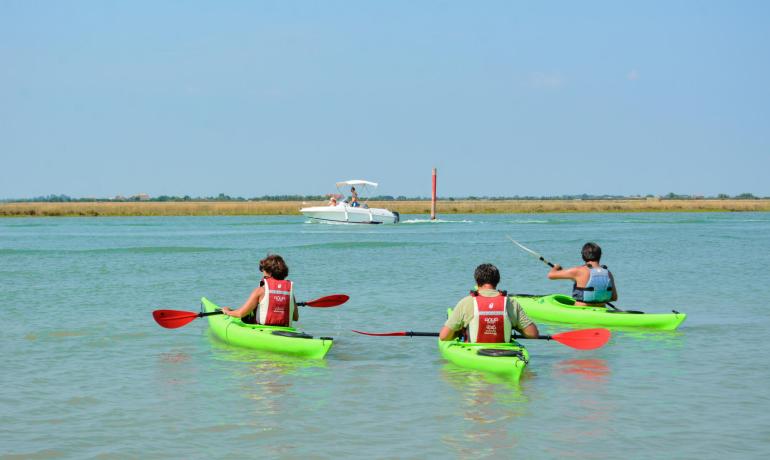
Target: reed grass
{"points": [[277, 208]]}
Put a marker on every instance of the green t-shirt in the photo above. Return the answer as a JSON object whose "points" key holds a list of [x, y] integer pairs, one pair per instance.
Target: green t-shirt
{"points": [[463, 312]]}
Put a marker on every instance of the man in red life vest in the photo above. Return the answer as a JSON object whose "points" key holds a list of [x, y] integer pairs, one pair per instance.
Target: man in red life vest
{"points": [[487, 315], [273, 301]]}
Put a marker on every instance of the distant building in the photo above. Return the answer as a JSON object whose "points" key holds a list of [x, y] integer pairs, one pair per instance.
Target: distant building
{"points": [[141, 197]]}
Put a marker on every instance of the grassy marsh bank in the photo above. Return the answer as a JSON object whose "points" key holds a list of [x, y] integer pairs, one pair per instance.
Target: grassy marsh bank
{"points": [[241, 208]]}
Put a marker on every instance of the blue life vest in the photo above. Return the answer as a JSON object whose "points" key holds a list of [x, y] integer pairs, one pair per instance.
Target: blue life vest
{"points": [[598, 289]]}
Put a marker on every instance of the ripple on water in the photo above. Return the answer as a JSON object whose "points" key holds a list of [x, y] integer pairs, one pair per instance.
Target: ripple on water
{"points": [[87, 372]]}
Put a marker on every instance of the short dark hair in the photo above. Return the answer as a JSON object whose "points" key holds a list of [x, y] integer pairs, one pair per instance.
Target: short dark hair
{"points": [[274, 265], [487, 274], [591, 252]]}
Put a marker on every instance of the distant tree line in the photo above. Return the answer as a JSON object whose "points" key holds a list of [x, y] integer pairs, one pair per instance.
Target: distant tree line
{"points": [[225, 197]]}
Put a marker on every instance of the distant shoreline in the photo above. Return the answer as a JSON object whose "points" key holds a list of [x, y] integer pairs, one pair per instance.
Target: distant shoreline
{"points": [[278, 208]]}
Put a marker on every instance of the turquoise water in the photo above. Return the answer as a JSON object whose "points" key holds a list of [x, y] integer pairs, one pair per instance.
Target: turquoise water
{"points": [[87, 373]]}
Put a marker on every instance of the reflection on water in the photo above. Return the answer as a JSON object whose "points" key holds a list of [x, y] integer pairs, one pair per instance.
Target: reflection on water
{"points": [[649, 336], [178, 357], [176, 373], [488, 404], [261, 361], [263, 377], [462, 378], [582, 384], [591, 370]]}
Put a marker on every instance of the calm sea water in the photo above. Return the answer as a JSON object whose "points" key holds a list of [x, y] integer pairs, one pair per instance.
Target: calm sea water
{"points": [[86, 372]]}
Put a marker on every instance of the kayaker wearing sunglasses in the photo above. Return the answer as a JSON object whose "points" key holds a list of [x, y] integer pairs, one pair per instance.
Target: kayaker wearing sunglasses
{"points": [[272, 303], [593, 283], [487, 315]]}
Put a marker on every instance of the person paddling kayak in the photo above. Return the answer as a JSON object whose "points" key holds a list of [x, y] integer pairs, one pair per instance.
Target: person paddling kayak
{"points": [[273, 301], [593, 283], [487, 315]]}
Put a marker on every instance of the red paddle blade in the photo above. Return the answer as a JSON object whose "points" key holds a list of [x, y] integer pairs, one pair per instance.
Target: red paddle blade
{"points": [[584, 339], [328, 301], [381, 334], [172, 319]]}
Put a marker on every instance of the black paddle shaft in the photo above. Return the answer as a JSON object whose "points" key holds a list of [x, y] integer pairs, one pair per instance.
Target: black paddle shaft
{"points": [[435, 334], [210, 313], [539, 337]]}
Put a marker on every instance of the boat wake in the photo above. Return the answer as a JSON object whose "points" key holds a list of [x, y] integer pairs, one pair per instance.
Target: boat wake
{"points": [[436, 221]]}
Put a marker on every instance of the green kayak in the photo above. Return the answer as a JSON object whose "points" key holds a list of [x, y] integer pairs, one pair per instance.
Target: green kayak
{"points": [[504, 359], [286, 340], [562, 309]]}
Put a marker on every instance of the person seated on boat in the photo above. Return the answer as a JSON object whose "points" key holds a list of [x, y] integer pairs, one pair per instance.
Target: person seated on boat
{"points": [[272, 303], [593, 283], [487, 315], [332, 201], [354, 197]]}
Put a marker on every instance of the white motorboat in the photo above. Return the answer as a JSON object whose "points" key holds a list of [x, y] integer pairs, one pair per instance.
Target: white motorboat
{"points": [[358, 212]]}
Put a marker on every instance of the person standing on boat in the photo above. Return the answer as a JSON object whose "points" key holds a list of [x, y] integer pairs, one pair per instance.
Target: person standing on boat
{"points": [[593, 283], [487, 315], [272, 302], [354, 197]]}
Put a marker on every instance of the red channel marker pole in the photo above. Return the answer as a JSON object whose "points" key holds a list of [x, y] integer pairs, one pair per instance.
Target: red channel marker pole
{"points": [[433, 198]]}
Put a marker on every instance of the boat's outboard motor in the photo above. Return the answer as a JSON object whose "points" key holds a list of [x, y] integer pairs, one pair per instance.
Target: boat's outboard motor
{"points": [[398, 217]]}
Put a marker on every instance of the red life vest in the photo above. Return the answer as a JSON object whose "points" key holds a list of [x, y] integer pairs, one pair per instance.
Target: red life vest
{"points": [[277, 305], [490, 323]]}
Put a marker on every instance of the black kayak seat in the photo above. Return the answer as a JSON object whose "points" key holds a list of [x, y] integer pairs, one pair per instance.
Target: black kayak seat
{"points": [[295, 335], [499, 353]]}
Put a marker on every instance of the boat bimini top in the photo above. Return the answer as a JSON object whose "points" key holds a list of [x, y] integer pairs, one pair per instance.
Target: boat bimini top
{"points": [[357, 182]]}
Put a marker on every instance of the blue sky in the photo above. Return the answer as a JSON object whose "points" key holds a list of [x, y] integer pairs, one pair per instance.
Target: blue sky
{"points": [[505, 98]]}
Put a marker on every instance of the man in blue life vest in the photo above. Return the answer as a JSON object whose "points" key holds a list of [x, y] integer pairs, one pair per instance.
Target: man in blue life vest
{"points": [[273, 300], [487, 315], [593, 284]]}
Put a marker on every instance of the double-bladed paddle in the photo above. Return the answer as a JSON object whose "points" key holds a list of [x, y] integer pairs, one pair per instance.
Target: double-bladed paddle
{"points": [[583, 339], [172, 319]]}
